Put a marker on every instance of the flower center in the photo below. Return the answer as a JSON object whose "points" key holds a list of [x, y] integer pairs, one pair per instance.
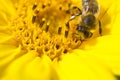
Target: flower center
{"points": [[41, 26]]}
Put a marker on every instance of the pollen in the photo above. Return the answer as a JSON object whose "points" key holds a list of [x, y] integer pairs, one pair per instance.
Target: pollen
{"points": [[42, 26]]}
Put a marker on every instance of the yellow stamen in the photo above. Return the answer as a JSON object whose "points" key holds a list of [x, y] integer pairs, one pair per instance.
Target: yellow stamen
{"points": [[45, 31]]}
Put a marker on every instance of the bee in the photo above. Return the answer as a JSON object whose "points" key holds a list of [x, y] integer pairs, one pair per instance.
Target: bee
{"points": [[88, 18]]}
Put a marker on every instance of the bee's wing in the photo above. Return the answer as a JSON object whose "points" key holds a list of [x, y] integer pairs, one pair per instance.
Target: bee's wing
{"points": [[91, 6]]}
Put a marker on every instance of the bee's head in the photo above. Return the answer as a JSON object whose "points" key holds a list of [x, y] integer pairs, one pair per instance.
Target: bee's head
{"points": [[89, 21]]}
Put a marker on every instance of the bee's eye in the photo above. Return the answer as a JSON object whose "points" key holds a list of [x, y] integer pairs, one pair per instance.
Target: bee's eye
{"points": [[89, 20]]}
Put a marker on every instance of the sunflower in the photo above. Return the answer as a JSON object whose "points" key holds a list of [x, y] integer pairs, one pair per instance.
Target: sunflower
{"points": [[37, 44]]}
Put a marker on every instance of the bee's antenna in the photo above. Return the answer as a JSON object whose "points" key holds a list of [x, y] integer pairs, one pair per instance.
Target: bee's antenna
{"points": [[104, 13], [100, 28]]}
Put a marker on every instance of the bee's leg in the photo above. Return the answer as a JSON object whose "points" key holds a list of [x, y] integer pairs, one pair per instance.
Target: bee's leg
{"points": [[77, 14], [74, 16], [100, 28], [79, 10], [88, 34]]}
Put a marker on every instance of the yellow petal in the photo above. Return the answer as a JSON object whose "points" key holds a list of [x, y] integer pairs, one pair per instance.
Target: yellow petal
{"points": [[3, 19], [29, 67], [37, 69], [106, 49], [6, 50], [109, 16], [7, 55], [82, 67], [6, 6], [4, 37], [13, 71]]}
